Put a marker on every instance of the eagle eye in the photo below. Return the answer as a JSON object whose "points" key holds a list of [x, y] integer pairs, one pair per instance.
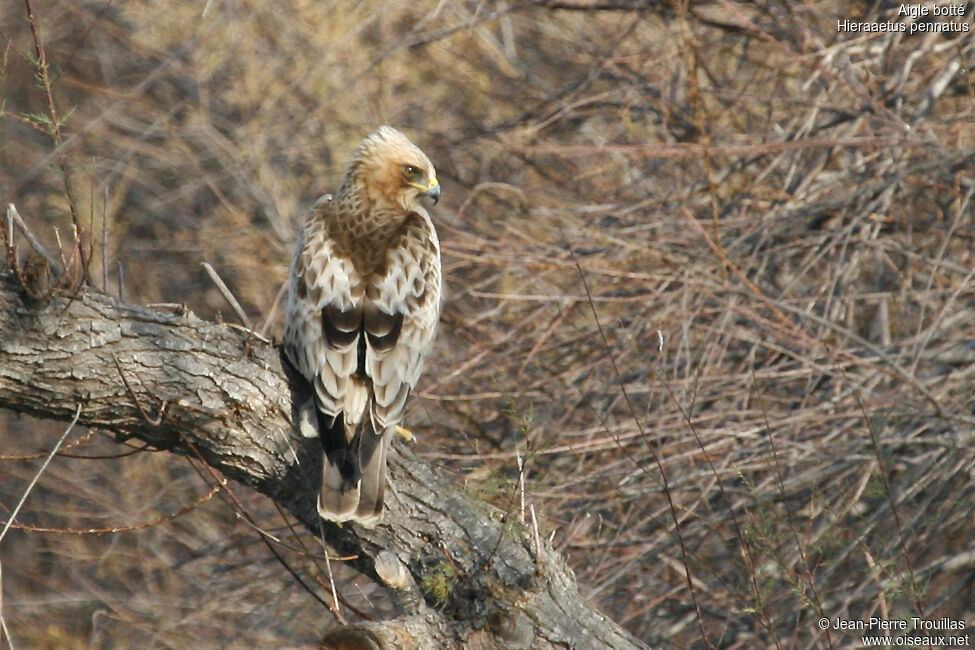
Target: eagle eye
{"points": [[412, 172]]}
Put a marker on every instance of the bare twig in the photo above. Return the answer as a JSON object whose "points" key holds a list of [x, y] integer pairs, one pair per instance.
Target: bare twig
{"points": [[160, 405], [13, 215], [536, 538], [672, 506], [121, 281], [105, 240], [104, 530], [4, 633], [55, 132], [244, 514], [227, 295], [37, 474]]}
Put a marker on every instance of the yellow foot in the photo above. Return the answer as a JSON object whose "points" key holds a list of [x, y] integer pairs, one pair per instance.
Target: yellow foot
{"points": [[405, 434]]}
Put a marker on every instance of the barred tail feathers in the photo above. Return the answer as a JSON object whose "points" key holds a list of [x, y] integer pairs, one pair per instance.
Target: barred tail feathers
{"points": [[353, 468]]}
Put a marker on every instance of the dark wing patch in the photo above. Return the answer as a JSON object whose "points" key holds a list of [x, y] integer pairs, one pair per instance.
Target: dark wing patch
{"points": [[382, 328], [341, 327]]}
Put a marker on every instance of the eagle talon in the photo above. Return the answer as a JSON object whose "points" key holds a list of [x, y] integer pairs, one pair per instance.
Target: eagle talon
{"points": [[405, 434]]}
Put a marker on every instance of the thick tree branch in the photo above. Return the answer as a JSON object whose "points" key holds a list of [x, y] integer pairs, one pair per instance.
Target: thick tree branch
{"points": [[460, 572]]}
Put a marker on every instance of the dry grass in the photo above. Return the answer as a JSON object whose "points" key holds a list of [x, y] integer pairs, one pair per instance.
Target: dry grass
{"points": [[788, 207]]}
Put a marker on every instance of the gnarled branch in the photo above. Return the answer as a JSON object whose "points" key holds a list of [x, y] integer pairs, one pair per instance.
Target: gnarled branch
{"points": [[460, 572]]}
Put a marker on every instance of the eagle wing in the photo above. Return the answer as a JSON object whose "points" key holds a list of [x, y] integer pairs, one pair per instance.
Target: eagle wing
{"points": [[325, 296], [401, 311]]}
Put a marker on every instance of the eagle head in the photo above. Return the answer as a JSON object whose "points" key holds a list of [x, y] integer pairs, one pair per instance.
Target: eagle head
{"points": [[393, 172]]}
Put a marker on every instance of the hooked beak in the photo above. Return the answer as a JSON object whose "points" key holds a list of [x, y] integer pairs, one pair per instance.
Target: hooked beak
{"points": [[430, 189], [433, 192]]}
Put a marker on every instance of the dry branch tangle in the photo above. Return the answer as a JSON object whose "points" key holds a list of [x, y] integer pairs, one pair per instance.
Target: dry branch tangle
{"points": [[210, 386]]}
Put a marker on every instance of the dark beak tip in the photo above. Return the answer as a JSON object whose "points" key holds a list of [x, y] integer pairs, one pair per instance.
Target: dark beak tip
{"points": [[434, 193]]}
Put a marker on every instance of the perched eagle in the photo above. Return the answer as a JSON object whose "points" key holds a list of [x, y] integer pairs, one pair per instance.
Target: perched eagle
{"points": [[363, 306]]}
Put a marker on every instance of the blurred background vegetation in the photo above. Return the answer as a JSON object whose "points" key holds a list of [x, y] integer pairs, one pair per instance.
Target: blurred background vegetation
{"points": [[772, 221]]}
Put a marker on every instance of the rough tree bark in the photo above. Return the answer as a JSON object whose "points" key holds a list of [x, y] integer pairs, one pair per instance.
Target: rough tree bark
{"points": [[461, 573]]}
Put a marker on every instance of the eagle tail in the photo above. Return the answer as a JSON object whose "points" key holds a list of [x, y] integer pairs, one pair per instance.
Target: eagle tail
{"points": [[336, 500], [353, 473], [372, 465], [339, 493]]}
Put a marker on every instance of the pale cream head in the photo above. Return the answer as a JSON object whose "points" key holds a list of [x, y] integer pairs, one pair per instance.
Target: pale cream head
{"points": [[393, 171]]}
